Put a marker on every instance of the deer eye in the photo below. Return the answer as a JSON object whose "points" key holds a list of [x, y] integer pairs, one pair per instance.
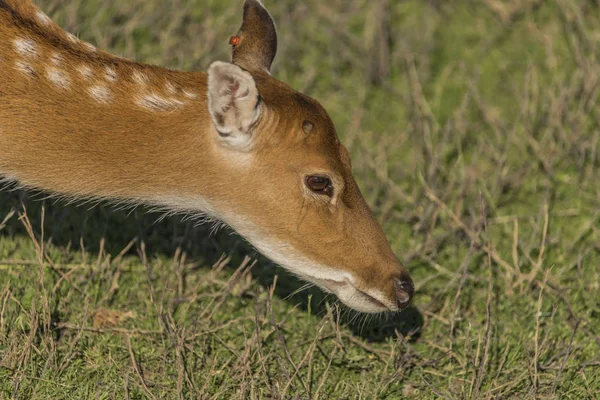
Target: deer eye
{"points": [[320, 184]]}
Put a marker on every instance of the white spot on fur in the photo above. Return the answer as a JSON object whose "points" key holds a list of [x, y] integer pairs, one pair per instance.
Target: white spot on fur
{"points": [[56, 59], [25, 68], [170, 88], [154, 102], [111, 74], [89, 47], [86, 72], [26, 47], [140, 78], [43, 18], [101, 94], [72, 38], [58, 77], [189, 94]]}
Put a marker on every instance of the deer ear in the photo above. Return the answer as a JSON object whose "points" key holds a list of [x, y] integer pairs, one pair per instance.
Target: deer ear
{"points": [[256, 44], [233, 103]]}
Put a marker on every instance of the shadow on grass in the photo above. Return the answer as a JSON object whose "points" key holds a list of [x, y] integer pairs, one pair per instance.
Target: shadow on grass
{"points": [[374, 328], [73, 227]]}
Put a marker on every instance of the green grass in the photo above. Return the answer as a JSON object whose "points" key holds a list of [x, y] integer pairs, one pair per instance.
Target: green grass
{"points": [[475, 135]]}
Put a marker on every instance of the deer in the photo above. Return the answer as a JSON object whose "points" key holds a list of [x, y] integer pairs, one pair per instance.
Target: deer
{"points": [[232, 143]]}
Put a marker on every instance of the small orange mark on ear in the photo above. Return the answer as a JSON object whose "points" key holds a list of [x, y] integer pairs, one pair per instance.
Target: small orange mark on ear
{"points": [[234, 40]]}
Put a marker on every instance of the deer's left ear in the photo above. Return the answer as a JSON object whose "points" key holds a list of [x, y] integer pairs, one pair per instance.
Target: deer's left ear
{"points": [[233, 103]]}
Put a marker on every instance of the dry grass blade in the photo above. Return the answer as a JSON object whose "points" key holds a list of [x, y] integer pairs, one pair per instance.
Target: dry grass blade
{"points": [[136, 368], [483, 363], [282, 341], [10, 214], [565, 359], [536, 355], [472, 235]]}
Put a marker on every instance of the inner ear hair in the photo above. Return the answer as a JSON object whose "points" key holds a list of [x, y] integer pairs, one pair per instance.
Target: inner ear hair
{"points": [[232, 101]]}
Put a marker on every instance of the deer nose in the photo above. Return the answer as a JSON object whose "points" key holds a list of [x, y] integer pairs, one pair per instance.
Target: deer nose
{"points": [[404, 289]]}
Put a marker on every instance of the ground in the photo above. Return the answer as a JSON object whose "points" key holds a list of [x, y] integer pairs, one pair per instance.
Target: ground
{"points": [[475, 136]]}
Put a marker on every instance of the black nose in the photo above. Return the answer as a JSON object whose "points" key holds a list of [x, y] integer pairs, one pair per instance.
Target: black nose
{"points": [[404, 290]]}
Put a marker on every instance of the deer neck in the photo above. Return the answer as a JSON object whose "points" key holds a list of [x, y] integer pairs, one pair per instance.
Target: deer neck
{"points": [[83, 123]]}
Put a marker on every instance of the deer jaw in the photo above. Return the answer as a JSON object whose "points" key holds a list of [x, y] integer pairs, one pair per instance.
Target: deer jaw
{"points": [[235, 143]]}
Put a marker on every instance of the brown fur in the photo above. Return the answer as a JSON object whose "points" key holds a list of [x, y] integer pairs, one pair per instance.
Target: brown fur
{"points": [[63, 141]]}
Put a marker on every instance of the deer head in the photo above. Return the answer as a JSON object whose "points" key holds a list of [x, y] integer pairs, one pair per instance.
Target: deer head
{"points": [[295, 197]]}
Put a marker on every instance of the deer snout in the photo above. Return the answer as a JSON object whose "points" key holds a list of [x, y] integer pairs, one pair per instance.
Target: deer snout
{"points": [[404, 291]]}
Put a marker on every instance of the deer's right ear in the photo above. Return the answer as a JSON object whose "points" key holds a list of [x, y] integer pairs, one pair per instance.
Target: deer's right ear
{"points": [[233, 103], [256, 42]]}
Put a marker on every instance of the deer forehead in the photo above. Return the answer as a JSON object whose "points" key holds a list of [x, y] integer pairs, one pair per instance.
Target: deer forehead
{"points": [[297, 111]]}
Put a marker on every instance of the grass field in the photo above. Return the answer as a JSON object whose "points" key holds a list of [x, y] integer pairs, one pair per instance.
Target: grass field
{"points": [[474, 130]]}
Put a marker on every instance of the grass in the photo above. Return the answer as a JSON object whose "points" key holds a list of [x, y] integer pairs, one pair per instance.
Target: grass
{"points": [[475, 136]]}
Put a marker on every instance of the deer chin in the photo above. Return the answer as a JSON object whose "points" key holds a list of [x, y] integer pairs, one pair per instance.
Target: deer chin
{"points": [[353, 297], [340, 283]]}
